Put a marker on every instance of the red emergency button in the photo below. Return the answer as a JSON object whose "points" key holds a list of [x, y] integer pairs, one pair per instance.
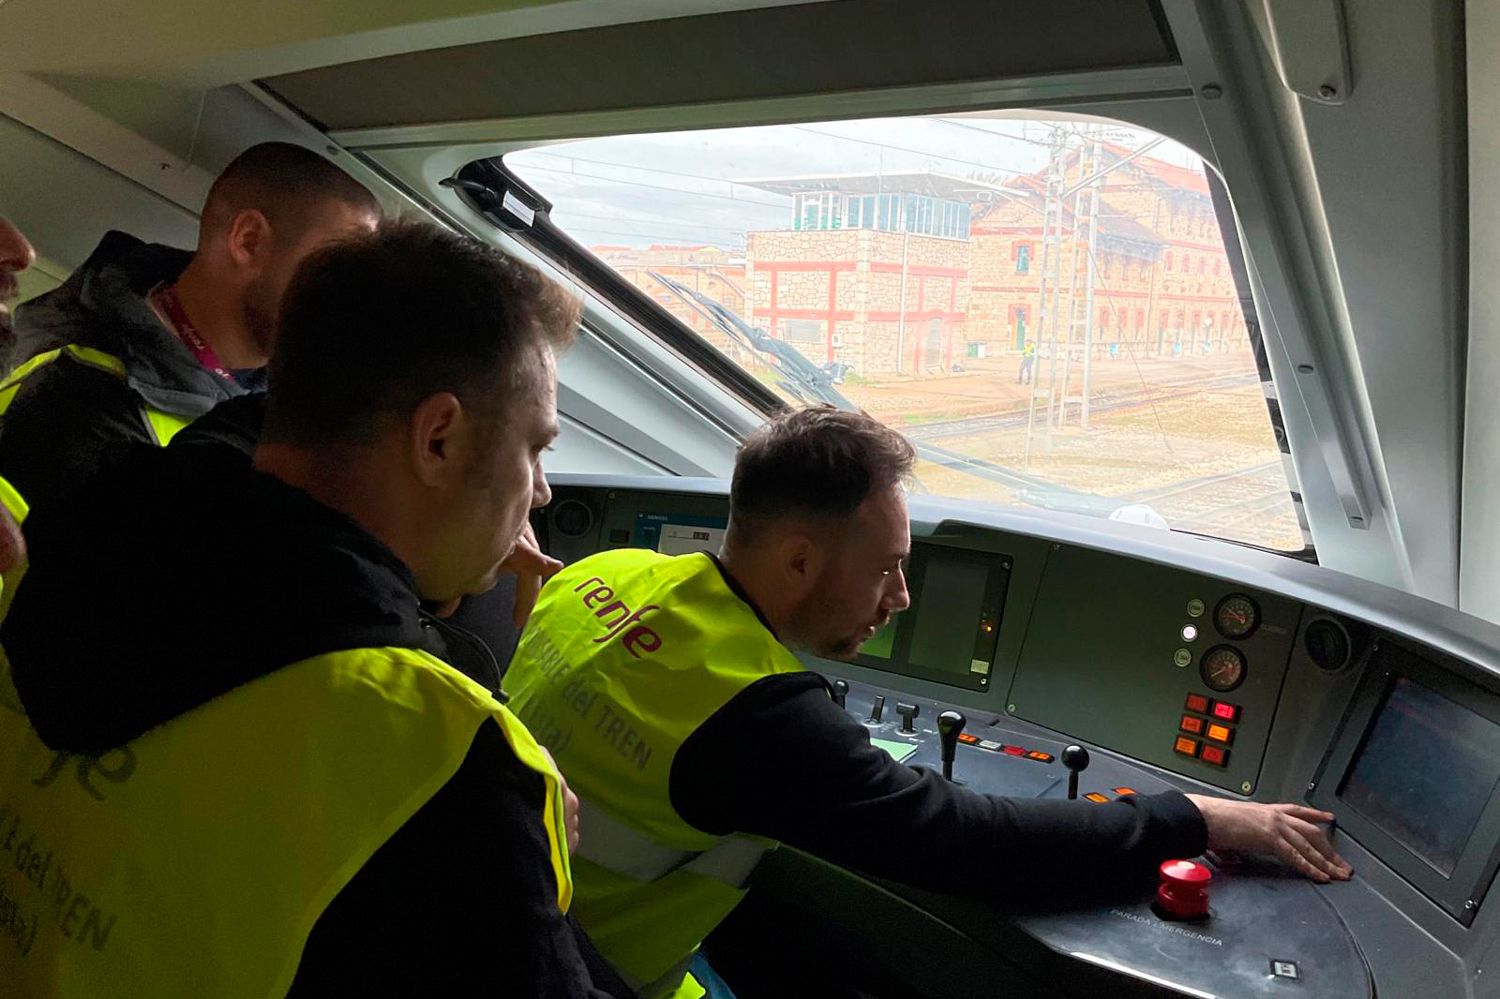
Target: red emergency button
{"points": [[1198, 703], [1183, 892], [1228, 712]]}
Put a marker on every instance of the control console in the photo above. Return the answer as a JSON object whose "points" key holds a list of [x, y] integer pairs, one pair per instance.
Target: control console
{"points": [[1229, 926]]}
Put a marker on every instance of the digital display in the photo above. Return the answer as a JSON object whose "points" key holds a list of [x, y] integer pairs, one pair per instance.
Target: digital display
{"points": [[952, 629], [1425, 772], [953, 595], [679, 534]]}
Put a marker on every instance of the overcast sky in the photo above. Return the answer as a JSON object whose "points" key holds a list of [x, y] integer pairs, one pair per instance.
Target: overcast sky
{"points": [[678, 187]]}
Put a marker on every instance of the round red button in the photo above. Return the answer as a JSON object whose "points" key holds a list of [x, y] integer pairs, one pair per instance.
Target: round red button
{"points": [[1183, 892]]}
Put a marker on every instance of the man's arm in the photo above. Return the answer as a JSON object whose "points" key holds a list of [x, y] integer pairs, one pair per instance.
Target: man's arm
{"points": [[60, 425], [782, 761], [460, 901]]}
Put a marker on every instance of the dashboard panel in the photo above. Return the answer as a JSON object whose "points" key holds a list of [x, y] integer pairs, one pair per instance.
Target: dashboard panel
{"points": [[1176, 662]]}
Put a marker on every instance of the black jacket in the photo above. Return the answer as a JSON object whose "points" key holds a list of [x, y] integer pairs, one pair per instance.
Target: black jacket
{"points": [[781, 760], [141, 603], [66, 416]]}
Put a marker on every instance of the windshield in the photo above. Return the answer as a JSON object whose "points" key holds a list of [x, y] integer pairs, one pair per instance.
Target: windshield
{"points": [[1045, 308]]}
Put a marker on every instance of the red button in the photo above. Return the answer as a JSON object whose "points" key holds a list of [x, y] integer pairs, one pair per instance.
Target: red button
{"points": [[1198, 703], [1228, 712], [1186, 746], [1012, 750], [1216, 755], [1183, 892], [1122, 791], [1191, 724]]}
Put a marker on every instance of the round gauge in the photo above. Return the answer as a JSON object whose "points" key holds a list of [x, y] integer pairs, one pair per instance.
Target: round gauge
{"points": [[1236, 616], [573, 518], [1222, 668]]}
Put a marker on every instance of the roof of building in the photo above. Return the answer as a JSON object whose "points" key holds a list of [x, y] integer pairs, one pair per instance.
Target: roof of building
{"points": [[1171, 174], [923, 182]]}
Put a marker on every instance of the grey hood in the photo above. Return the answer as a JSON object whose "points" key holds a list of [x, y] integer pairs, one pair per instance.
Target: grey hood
{"points": [[103, 305]]}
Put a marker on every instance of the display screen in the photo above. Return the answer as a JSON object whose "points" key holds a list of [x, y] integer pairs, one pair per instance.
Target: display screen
{"points": [[951, 631], [679, 534], [953, 595], [1425, 772]]}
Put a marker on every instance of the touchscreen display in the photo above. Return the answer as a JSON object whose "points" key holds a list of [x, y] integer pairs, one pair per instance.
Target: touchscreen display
{"points": [[1425, 772]]}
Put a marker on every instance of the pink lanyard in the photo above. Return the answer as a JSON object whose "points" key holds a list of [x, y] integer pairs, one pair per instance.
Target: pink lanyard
{"points": [[177, 319]]}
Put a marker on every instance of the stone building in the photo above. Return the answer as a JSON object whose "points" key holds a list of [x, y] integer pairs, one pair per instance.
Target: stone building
{"points": [[712, 271], [1161, 284], [871, 272]]}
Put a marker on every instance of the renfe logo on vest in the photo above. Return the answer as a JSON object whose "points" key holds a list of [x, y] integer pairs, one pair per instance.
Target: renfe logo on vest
{"points": [[618, 618]]}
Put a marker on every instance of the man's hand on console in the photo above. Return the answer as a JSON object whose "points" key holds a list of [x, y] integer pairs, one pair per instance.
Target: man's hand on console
{"points": [[532, 567], [1287, 832]]}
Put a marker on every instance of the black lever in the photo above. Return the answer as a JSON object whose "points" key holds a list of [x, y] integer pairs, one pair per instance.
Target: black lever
{"points": [[950, 725], [907, 713], [1076, 759], [877, 709], [840, 691]]}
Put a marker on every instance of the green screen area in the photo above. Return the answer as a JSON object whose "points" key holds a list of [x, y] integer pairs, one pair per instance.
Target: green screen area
{"points": [[899, 750]]}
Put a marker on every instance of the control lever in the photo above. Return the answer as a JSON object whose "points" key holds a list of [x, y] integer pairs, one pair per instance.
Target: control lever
{"points": [[1076, 759], [907, 713], [877, 710], [840, 691], [950, 725]]}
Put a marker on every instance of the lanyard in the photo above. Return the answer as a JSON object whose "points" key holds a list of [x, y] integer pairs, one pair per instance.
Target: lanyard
{"points": [[177, 320]]}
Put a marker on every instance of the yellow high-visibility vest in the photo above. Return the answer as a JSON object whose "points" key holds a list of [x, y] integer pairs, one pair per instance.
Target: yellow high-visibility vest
{"points": [[161, 425], [626, 654], [194, 860]]}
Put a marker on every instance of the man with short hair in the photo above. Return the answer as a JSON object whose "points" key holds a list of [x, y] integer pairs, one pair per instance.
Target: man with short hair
{"points": [[668, 690], [142, 338], [275, 774]]}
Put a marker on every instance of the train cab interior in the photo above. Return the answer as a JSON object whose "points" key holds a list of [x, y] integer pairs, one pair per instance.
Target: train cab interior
{"points": [[1184, 304]]}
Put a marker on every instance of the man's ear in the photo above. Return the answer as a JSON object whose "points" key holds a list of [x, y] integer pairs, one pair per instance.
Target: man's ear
{"points": [[432, 442], [799, 559], [249, 239]]}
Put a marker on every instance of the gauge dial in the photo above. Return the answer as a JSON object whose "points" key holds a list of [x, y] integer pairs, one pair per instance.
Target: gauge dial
{"points": [[1222, 668], [1237, 616]]}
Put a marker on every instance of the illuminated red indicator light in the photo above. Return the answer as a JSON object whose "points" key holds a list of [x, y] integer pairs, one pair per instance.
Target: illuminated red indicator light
{"points": [[1191, 724], [1221, 733], [1216, 755], [1122, 791], [1228, 712], [1198, 703], [1012, 750], [1186, 746], [1096, 797]]}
